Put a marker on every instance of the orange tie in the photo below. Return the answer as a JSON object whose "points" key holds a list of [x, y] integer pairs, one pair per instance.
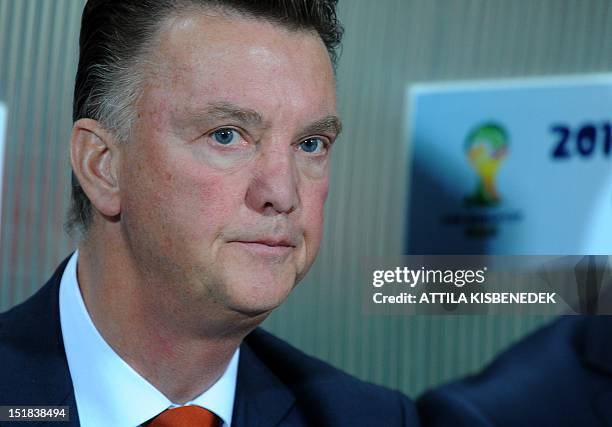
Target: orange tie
{"points": [[185, 416]]}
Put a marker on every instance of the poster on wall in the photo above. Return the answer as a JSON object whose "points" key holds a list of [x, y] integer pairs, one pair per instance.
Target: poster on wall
{"points": [[3, 120], [519, 167]]}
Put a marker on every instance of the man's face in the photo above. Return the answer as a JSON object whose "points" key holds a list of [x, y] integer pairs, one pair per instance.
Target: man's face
{"points": [[224, 178]]}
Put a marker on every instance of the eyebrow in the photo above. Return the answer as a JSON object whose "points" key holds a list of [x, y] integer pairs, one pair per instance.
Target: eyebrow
{"points": [[224, 110], [328, 124]]}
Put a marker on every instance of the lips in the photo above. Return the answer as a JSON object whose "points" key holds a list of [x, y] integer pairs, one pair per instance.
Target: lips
{"points": [[282, 242], [267, 247]]}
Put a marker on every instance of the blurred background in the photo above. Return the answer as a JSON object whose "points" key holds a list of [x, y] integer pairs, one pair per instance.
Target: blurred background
{"points": [[388, 45]]}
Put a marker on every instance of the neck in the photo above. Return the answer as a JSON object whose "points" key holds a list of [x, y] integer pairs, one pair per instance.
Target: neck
{"points": [[180, 350]]}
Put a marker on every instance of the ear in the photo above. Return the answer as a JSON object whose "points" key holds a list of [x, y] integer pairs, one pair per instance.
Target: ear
{"points": [[95, 158]]}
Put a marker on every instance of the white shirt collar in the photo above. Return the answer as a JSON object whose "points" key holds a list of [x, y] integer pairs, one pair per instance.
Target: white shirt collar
{"points": [[108, 392]]}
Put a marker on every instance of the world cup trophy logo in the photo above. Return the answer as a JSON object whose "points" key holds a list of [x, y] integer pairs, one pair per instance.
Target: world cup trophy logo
{"points": [[486, 147]]}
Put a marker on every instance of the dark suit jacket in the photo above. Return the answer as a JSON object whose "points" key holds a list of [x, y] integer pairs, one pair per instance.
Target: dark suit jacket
{"points": [[559, 376], [277, 384]]}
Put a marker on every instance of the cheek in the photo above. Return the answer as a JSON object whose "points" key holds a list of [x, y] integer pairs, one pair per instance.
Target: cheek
{"points": [[184, 197], [204, 200], [313, 201]]}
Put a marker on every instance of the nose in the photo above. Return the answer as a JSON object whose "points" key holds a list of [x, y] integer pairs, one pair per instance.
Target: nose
{"points": [[273, 189]]}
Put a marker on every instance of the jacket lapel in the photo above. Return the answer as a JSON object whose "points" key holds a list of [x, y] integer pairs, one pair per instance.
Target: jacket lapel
{"points": [[262, 400]]}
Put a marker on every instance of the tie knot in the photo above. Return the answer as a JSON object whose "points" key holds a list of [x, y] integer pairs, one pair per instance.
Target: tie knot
{"points": [[185, 416]]}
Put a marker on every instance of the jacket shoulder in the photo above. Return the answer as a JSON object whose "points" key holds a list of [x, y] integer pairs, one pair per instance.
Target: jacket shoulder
{"points": [[33, 365], [28, 322], [542, 380]]}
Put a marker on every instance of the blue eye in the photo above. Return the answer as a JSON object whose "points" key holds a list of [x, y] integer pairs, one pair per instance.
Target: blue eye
{"points": [[312, 145], [225, 136]]}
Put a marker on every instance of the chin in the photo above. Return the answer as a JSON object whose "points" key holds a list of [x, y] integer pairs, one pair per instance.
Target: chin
{"points": [[258, 294]]}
